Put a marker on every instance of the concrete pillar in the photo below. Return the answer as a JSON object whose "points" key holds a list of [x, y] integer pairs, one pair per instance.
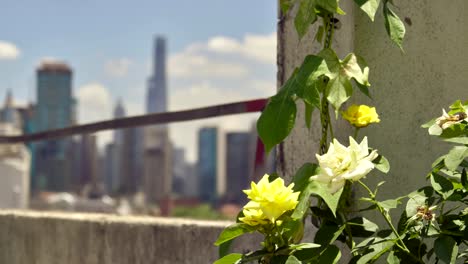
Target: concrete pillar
{"points": [[408, 88]]}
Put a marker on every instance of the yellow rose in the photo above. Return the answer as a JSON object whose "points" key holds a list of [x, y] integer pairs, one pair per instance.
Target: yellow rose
{"points": [[361, 115], [253, 217], [272, 199]]}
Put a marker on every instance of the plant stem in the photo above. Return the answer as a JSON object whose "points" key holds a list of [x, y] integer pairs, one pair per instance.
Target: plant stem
{"points": [[356, 131], [324, 113], [371, 194], [386, 216]]}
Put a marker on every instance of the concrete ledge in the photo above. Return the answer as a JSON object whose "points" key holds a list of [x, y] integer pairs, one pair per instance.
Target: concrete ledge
{"points": [[51, 237]]}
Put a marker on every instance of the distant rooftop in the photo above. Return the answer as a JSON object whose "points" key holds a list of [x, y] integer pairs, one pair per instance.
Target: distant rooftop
{"points": [[54, 66]]}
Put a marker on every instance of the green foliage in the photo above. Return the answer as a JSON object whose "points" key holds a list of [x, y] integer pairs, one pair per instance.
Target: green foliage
{"points": [[339, 88], [305, 16], [279, 116], [232, 232], [369, 7], [233, 258], [437, 211], [395, 27], [446, 249]]}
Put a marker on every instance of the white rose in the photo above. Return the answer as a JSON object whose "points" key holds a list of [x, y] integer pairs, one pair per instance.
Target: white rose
{"points": [[342, 163]]}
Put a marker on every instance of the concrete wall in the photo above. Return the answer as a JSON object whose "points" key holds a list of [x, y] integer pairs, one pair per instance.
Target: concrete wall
{"points": [[408, 88], [28, 237]]}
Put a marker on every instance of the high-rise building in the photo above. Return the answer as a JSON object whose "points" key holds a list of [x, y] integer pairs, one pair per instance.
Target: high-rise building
{"points": [[14, 168], [54, 109], [157, 175], [89, 171], [111, 168], [211, 164], [156, 100], [238, 165]]}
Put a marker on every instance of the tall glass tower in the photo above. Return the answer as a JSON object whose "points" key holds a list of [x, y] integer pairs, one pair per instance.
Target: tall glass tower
{"points": [[157, 175], [54, 110], [157, 96]]}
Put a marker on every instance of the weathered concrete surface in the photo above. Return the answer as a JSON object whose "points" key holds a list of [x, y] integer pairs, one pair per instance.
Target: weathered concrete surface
{"points": [[408, 88], [411, 88], [303, 143], [28, 237]]}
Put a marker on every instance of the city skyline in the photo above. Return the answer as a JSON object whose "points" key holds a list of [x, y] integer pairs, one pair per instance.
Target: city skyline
{"points": [[224, 63]]}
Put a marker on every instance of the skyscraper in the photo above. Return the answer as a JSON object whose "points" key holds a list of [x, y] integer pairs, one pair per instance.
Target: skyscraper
{"points": [[211, 164], [157, 180], [156, 100], [54, 110], [238, 165]]}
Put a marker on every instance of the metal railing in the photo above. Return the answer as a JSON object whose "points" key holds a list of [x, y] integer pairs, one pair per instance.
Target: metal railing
{"points": [[250, 106]]}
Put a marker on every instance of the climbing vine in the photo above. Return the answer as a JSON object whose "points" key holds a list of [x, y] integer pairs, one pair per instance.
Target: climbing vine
{"points": [[320, 192]]}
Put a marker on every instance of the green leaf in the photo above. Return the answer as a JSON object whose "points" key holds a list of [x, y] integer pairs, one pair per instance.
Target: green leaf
{"points": [[232, 258], [377, 250], [362, 227], [441, 185], [305, 17], [393, 24], [369, 7], [292, 260], [332, 61], [296, 247], [457, 106], [322, 190], [302, 176], [455, 157], [339, 90], [382, 164], [352, 69], [233, 231], [458, 140], [364, 89], [331, 255], [389, 204], [301, 184], [329, 5], [285, 5], [223, 248], [293, 230], [278, 118], [328, 233], [446, 249], [392, 259]]}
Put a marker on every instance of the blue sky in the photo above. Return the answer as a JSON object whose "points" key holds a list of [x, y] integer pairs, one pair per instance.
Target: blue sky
{"points": [[216, 48]]}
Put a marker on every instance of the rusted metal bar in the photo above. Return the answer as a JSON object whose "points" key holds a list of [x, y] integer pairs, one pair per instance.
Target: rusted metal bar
{"points": [[250, 106]]}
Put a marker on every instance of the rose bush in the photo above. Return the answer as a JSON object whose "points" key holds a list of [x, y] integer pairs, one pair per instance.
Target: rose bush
{"points": [[433, 226]]}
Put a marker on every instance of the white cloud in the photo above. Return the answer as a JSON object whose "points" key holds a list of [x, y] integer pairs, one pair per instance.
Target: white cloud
{"points": [[224, 44], [208, 59], [95, 104], [192, 64], [261, 48], [8, 51], [117, 67]]}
